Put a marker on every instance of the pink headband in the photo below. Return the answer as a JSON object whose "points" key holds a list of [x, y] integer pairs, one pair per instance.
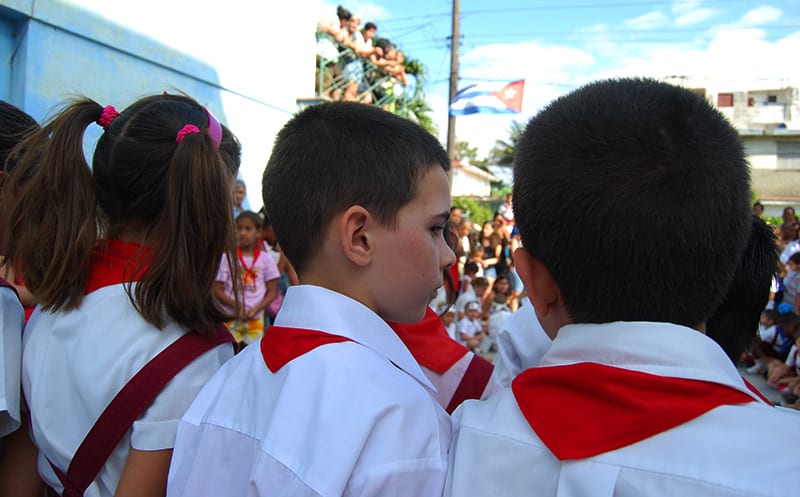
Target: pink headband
{"points": [[214, 129], [107, 116]]}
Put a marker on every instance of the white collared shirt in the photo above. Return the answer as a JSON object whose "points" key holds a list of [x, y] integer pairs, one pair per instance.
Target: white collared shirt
{"points": [[12, 319], [347, 418], [733, 450], [74, 363]]}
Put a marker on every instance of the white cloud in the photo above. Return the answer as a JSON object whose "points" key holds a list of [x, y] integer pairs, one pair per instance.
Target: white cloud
{"points": [[734, 58], [684, 6], [695, 16], [647, 21], [761, 15]]}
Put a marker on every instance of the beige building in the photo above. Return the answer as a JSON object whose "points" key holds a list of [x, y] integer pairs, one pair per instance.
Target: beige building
{"points": [[767, 115]]}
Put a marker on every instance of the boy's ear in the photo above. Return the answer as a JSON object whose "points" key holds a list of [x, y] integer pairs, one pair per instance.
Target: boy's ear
{"points": [[542, 290], [355, 236]]}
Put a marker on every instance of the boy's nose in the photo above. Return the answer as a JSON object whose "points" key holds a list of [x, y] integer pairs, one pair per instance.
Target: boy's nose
{"points": [[448, 257]]}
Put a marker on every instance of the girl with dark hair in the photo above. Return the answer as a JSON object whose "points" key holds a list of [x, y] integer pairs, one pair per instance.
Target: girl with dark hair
{"points": [[14, 126], [124, 277]]}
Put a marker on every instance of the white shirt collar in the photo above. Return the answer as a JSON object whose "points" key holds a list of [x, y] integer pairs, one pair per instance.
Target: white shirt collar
{"points": [[317, 308], [662, 349]]}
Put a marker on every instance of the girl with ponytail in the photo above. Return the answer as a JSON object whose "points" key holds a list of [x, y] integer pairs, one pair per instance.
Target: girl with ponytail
{"points": [[122, 258]]}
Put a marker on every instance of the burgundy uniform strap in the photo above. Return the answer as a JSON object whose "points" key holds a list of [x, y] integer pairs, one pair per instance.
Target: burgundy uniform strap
{"points": [[128, 405], [473, 383]]}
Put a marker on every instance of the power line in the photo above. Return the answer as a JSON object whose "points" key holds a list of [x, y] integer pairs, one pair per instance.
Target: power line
{"points": [[556, 7]]}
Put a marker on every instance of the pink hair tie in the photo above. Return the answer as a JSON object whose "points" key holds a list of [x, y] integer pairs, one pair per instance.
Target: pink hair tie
{"points": [[107, 116], [186, 130]]}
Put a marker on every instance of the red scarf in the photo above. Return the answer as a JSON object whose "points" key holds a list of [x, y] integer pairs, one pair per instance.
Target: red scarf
{"points": [[429, 342], [116, 262], [248, 271], [582, 410], [281, 344]]}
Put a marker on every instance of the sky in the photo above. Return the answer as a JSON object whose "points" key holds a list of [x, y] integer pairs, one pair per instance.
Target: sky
{"points": [[557, 46]]}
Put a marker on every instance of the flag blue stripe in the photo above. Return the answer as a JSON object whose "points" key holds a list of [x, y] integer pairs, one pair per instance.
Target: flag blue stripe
{"points": [[475, 109]]}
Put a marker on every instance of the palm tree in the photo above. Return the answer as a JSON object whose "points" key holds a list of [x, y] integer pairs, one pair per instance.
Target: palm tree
{"points": [[502, 153], [414, 107]]}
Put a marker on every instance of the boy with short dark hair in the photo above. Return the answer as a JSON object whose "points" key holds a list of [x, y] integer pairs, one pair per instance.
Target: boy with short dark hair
{"points": [[331, 402], [632, 398]]}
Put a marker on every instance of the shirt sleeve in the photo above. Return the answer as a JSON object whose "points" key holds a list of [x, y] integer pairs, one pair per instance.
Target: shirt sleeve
{"points": [[155, 429], [12, 320], [224, 272]]}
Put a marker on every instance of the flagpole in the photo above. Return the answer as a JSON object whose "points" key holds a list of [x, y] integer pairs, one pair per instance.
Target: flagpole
{"points": [[455, 39]]}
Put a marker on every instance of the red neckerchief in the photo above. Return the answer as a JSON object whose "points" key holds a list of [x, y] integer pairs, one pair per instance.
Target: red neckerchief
{"points": [[582, 410], [429, 342], [117, 262], [248, 271], [281, 344]]}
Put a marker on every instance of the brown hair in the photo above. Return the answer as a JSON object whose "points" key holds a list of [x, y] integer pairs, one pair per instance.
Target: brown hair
{"points": [[176, 196]]}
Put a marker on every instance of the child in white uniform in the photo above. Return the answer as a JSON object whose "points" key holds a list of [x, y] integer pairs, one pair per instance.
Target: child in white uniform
{"points": [[118, 289], [331, 402], [14, 126], [628, 320]]}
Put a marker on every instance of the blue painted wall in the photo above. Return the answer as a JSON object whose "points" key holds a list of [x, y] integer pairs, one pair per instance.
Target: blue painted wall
{"points": [[52, 50]]}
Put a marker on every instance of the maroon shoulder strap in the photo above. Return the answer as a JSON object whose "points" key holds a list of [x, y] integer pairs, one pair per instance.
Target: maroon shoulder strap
{"points": [[5, 284], [473, 383], [128, 404]]}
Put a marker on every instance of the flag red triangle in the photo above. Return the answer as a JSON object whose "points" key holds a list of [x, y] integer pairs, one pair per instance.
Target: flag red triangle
{"points": [[511, 94]]}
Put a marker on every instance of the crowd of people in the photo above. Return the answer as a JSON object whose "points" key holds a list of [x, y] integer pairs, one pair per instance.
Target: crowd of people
{"points": [[775, 351], [337, 342], [354, 64]]}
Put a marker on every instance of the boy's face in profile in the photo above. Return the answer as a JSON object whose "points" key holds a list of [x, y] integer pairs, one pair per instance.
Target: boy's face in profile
{"points": [[409, 258], [765, 320]]}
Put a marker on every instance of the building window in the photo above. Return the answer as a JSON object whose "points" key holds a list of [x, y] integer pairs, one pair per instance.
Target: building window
{"points": [[772, 99], [725, 100]]}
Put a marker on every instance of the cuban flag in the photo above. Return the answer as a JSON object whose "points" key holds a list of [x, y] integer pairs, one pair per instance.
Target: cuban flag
{"points": [[492, 98]]}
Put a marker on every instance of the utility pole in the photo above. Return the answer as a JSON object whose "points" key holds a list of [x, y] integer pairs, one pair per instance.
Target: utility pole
{"points": [[455, 40]]}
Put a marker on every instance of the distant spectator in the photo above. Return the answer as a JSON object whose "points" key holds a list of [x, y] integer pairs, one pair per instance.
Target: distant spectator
{"points": [[790, 229], [758, 209], [239, 196], [507, 210]]}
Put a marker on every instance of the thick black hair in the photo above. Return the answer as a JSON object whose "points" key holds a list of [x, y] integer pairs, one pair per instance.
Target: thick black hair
{"points": [[334, 155], [733, 325], [630, 191]]}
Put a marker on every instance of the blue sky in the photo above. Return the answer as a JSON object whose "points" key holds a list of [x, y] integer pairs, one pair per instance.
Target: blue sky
{"points": [[559, 45]]}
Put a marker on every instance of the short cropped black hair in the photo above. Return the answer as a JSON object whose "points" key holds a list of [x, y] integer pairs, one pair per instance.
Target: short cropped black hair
{"points": [[635, 195], [370, 25], [733, 325], [334, 155]]}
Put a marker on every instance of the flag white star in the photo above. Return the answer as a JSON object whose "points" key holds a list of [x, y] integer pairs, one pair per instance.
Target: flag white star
{"points": [[510, 93]]}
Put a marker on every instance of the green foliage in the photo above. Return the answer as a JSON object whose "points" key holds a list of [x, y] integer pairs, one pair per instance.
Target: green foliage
{"points": [[464, 152], [476, 211], [501, 190], [415, 67], [414, 107], [503, 151]]}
